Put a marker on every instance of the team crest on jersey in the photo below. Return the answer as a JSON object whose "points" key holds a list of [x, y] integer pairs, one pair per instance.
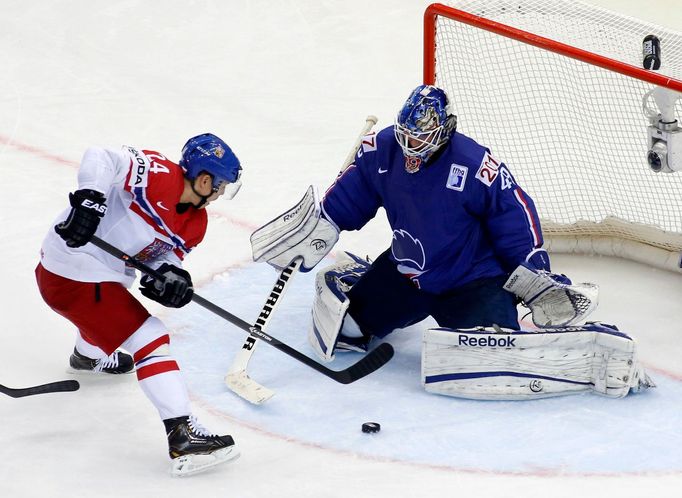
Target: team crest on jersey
{"points": [[154, 250], [457, 177], [488, 170], [408, 252], [412, 164]]}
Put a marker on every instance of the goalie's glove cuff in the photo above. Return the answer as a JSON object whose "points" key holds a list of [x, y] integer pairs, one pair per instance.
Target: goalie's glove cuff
{"points": [[529, 283], [538, 259]]}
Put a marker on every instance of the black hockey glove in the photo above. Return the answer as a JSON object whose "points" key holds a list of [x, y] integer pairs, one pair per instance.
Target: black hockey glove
{"points": [[87, 208], [174, 291]]}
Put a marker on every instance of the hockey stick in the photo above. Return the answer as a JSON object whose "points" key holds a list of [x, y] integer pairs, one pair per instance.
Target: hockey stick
{"points": [[374, 360], [370, 121], [237, 378], [52, 387]]}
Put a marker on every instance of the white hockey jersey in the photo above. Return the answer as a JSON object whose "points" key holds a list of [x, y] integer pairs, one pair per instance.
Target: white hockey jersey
{"points": [[142, 189]]}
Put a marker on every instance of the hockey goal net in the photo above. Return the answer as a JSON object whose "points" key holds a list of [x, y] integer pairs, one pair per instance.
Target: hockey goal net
{"points": [[555, 89]]}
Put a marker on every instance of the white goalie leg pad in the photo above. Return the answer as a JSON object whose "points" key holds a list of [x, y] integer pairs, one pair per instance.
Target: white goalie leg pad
{"points": [[489, 365], [330, 305], [300, 232], [552, 302]]}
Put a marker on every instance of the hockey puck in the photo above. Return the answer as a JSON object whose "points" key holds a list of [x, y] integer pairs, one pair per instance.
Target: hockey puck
{"points": [[371, 427]]}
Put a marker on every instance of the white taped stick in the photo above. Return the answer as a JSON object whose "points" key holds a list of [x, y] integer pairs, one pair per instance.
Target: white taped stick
{"points": [[370, 121], [237, 378]]}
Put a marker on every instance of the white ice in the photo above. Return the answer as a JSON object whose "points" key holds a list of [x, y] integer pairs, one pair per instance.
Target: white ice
{"points": [[288, 84]]}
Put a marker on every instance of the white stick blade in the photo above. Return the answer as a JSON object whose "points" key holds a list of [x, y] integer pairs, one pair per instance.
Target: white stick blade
{"points": [[244, 386]]}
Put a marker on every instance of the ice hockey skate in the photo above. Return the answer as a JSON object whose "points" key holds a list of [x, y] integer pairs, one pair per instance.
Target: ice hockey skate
{"points": [[194, 449], [345, 344], [116, 363]]}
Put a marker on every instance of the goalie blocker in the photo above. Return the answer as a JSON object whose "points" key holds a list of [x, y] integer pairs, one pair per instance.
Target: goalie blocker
{"points": [[301, 232], [499, 365]]}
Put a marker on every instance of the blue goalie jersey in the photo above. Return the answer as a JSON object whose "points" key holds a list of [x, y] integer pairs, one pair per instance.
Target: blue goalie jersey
{"points": [[460, 218]]}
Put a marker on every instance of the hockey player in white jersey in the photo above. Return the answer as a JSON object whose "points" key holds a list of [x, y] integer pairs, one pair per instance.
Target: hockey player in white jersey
{"points": [[149, 206]]}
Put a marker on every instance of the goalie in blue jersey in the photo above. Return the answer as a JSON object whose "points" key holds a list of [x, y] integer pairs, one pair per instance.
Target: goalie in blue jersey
{"points": [[466, 249]]}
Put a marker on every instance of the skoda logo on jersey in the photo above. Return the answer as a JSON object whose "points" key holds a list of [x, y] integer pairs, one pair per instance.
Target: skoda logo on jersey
{"points": [[408, 250], [139, 168], [457, 177]]}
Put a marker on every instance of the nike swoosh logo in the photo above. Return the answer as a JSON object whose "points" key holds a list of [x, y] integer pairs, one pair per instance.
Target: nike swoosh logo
{"points": [[382, 171], [162, 206]]}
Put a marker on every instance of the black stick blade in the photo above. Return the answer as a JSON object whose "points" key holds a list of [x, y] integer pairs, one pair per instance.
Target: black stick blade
{"points": [[52, 387], [373, 361]]}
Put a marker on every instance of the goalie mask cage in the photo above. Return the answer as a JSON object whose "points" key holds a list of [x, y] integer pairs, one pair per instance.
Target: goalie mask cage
{"points": [[555, 88]]}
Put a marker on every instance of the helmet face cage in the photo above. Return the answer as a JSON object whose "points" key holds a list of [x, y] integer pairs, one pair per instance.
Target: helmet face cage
{"points": [[424, 123], [209, 154]]}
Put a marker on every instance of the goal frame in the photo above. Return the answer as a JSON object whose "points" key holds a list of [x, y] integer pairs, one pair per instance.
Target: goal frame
{"points": [[558, 242], [437, 9]]}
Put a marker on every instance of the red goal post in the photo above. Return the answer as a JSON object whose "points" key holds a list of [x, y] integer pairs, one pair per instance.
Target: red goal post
{"points": [[555, 88]]}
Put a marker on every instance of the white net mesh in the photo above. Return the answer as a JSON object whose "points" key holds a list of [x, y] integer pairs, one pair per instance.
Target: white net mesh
{"points": [[573, 134]]}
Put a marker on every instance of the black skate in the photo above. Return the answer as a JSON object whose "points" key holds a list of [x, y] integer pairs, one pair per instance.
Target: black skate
{"points": [[193, 449], [116, 363]]}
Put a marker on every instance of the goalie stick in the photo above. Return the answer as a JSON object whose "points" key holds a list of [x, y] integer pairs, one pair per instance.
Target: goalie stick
{"points": [[237, 378], [374, 360], [52, 387]]}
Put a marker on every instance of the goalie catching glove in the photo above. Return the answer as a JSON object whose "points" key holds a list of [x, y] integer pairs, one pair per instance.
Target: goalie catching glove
{"points": [[301, 232], [553, 299]]}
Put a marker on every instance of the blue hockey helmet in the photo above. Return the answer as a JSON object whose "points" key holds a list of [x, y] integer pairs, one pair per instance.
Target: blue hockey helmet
{"points": [[208, 153], [425, 122]]}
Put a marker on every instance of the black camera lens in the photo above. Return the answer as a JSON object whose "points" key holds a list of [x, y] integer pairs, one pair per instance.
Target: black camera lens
{"points": [[654, 160]]}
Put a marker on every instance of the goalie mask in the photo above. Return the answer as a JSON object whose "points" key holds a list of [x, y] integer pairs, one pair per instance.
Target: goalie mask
{"points": [[424, 123], [207, 153]]}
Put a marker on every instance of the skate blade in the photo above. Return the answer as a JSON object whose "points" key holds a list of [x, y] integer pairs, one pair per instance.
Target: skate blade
{"points": [[92, 373], [193, 464]]}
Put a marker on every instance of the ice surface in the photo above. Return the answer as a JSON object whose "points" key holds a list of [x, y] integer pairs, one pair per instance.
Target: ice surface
{"points": [[288, 84]]}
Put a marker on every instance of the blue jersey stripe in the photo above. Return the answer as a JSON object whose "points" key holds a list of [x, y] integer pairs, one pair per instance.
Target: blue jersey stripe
{"points": [[141, 201]]}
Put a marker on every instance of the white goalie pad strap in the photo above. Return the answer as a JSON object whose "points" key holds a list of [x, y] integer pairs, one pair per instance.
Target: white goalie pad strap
{"points": [[482, 364], [552, 302], [298, 233], [330, 305]]}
